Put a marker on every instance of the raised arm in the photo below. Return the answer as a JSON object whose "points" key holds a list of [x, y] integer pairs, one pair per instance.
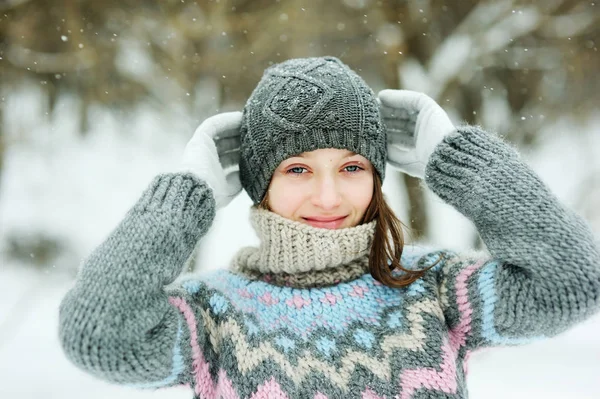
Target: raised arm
{"points": [[118, 322], [542, 272]]}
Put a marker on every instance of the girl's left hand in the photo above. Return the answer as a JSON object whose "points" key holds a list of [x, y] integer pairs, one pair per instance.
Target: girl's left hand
{"points": [[415, 125]]}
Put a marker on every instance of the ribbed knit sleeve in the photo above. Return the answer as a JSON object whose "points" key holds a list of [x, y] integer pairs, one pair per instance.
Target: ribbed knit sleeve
{"points": [[542, 273], [118, 322]]}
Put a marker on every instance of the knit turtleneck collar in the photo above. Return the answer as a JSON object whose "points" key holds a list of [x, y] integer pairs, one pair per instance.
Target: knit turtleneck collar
{"points": [[299, 255]]}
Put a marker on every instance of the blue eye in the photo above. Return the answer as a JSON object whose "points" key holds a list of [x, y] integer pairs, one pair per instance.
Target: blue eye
{"points": [[297, 170], [352, 170]]}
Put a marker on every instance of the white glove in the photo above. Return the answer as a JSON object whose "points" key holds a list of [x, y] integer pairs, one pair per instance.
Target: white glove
{"points": [[415, 125], [213, 154]]}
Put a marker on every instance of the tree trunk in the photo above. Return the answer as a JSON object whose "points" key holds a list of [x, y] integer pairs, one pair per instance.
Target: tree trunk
{"points": [[84, 122], [417, 211]]}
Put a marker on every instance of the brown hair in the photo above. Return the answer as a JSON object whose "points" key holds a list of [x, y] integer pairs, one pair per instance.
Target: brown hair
{"points": [[382, 249]]}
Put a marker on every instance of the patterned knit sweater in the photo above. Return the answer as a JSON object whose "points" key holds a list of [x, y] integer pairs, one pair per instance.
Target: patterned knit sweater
{"points": [[228, 334]]}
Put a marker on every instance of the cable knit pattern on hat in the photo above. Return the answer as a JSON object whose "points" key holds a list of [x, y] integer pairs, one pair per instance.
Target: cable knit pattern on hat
{"points": [[227, 335]]}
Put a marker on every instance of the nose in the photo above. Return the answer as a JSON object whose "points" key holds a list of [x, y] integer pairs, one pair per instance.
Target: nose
{"points": [[326, 194]]}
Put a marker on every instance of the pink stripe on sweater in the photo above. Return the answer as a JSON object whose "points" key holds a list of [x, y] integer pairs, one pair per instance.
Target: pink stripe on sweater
{"points": [[445, 380], [369, 394], [205, 386], [225, 388], [430, 378], [458, 334], [269, 390]]}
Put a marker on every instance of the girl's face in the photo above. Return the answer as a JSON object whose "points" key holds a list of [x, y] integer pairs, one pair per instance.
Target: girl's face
{"points": [[327, 188]]}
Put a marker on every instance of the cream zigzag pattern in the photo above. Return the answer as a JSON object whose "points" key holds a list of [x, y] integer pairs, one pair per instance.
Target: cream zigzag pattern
{"points": [[248, 358]]}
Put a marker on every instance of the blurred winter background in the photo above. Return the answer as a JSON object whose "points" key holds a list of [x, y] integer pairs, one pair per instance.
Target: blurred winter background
{"points": [[97, 97]]}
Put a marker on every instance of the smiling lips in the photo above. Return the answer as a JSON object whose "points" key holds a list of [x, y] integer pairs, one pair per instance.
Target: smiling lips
{"points": [[332, 222]]}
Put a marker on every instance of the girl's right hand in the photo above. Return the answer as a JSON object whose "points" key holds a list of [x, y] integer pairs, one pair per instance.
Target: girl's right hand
{"points": [[213, 154]]}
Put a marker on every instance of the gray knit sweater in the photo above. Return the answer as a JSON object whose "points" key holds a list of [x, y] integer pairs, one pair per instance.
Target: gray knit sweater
{"points": [[225, 334]]}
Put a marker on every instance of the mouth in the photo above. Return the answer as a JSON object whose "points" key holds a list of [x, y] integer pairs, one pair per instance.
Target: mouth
{"points": [[326, 222]]}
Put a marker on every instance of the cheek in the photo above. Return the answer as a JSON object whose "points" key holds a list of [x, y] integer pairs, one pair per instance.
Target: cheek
{"points": [[360, 195], [285, 198]]}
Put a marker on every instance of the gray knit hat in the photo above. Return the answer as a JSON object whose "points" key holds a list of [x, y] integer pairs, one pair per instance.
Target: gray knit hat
{"points": [[306, 104]]}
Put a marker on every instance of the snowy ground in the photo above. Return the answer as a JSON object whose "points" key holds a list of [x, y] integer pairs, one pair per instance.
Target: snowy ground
{"points": [[78, 189]]}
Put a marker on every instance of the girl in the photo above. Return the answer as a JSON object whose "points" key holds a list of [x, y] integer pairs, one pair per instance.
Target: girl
{"points": [[329, 305]]}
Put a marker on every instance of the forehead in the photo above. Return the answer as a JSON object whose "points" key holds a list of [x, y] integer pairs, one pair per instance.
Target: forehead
{"points": [[326, 152]]}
